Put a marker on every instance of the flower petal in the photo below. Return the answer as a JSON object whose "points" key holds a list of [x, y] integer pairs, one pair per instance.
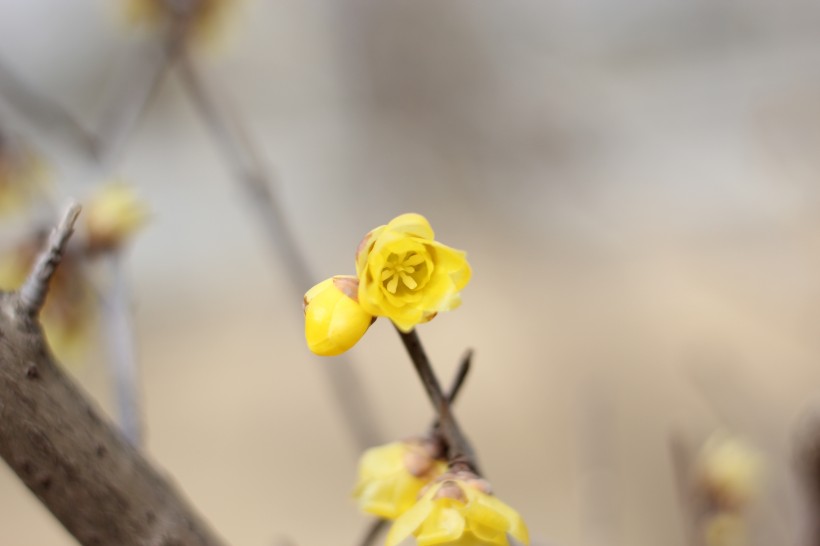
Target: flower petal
{"points": [[408, 522], [412, 224]]}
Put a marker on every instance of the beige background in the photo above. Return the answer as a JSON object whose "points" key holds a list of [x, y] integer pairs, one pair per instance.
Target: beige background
{"points": [[636, 184]]}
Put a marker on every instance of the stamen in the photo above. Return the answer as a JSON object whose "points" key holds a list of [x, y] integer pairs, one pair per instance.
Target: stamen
{"points": [[393, 284], [413, 259], [387, 273], [408, 281]]}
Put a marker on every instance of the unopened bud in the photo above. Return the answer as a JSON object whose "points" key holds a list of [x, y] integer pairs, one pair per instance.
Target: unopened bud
{"points": [[334, 320]]}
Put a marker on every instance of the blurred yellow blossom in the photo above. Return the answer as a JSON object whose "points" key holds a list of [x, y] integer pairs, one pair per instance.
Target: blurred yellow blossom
{"points": [[407, 276], [391, 476], [458, 510], [334, 320], [22, 175], [725, 529], [205, 18], [730, 471], [69, 314], [112, 215]]}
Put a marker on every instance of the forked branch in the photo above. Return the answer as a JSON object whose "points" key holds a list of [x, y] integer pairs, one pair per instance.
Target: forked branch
{"points": [[59, 444]]}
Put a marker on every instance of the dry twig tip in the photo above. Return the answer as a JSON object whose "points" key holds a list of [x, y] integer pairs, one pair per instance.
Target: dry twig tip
{"points": [[32, 294]]}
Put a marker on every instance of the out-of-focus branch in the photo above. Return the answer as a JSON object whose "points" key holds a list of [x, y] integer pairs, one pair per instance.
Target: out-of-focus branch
{"points": [[79, 466], [43, 111], [257, 184], [118, 121], [122, 352]]}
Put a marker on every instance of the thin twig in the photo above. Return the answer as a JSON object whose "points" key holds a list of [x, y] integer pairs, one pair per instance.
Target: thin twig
{"points": [[43, 110], [119, 120], [462, 371], [459, 448], [122, 351], [32, 295], [256, 182], [373, 531], [681, 457], [377, 525]]}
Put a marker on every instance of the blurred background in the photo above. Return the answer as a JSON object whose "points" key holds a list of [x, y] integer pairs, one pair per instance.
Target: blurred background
{"points": [[636, 183]]}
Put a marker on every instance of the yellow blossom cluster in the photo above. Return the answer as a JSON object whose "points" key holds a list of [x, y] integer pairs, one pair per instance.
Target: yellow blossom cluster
{"points": [[402, 273], [407, 482]]}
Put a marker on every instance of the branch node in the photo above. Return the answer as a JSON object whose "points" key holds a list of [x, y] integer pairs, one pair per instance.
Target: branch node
{"points": [[32, 294]]}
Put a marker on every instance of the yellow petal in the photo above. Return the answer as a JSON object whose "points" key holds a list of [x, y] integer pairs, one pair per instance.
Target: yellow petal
{"points": [[364, 248], [445, 524], [408, 522], [412, 224], [334, 322]]}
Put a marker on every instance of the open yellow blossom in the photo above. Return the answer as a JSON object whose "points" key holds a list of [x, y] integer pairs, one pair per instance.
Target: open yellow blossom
{"points": [[407, 276], [112, 215], [334, 320], [392, 476], [459, 512], [730, 470]]}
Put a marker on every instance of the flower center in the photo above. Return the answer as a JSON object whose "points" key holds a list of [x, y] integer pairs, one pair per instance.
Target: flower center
{"points": [[401, 268]]}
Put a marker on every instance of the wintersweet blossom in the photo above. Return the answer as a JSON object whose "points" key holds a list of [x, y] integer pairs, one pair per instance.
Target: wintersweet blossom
{"points": [[334, 320], [459, 510], [730, 471], [206, 18], [112, 216], [69, 316], [391, 476], [407, 276]]}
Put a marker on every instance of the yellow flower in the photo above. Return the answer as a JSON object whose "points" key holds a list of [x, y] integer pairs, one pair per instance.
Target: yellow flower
{"points": [[725, 529], [730, 471], [334, 320], [69, 315], [392, 476], [206, 18], [405, 275], [22, 176], [459, 512], [112, 215]]}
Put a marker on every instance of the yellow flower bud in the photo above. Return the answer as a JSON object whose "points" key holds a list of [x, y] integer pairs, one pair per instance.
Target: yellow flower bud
{"points": [[459, 512], [392, 476], [334, 320], [405, 275], [112, 216], [730, 471]]}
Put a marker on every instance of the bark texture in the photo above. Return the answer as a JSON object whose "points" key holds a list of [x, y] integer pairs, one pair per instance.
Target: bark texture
{"points": [[100, 488]]}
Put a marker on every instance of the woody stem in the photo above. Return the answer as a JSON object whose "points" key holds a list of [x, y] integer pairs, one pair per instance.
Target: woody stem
{"points": [[459, 449]]}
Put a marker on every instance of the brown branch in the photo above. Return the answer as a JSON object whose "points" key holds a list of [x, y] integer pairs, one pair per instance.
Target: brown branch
{"points": [[459, 448], [56, 441]]}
